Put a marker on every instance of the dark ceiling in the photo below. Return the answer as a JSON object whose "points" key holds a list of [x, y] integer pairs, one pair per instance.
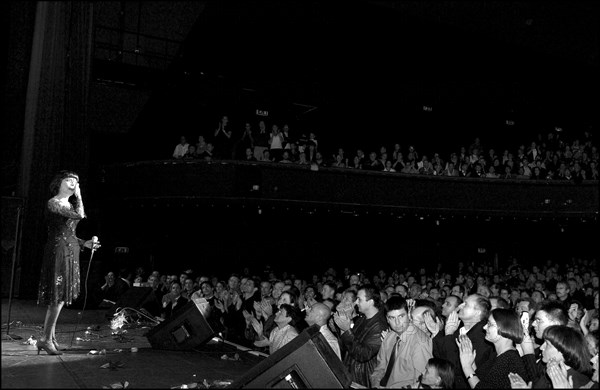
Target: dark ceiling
{"points": [[319, 51]]}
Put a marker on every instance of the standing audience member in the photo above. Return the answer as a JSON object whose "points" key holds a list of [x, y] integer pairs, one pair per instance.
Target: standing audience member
{"points": [[405, 350], [222, 138], [361, 336], [261, 141], [473, 314]]}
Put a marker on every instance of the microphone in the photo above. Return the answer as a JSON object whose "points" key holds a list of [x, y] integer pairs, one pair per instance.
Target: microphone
{"points": [[94, 242]]}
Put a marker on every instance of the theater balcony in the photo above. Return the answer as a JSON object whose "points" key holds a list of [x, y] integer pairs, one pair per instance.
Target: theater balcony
{"points": [[265, 186]]}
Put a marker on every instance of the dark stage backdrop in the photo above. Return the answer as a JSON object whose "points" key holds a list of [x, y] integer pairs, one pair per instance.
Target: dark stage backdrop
{"points": [[222, 240]]}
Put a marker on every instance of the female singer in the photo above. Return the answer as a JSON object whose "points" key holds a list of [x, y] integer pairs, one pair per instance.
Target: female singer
{"points": [[59, 281]]}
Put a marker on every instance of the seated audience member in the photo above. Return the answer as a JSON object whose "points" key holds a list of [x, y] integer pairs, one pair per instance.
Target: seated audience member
{"points": [[328, 290], [363, 340], [302, 159], [181, 149], [188, 288], [191, 153], [565, 347], [201, 145], [215, 315], [153, 302], [114, 288], [209, 153], [286, 318], [319, 314], [504, 331], [249, 155], [173, 301], [405, 350], [267, 156]]}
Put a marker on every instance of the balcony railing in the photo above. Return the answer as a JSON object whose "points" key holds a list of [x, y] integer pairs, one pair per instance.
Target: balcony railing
{"points": [[347, 189]]}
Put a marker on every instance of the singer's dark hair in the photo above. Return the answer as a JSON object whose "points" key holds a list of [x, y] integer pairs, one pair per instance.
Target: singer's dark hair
{"points": [[58, 178]]}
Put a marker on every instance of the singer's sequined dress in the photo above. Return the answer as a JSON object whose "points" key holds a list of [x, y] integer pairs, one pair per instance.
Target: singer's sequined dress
{"points": [[59, 280]]}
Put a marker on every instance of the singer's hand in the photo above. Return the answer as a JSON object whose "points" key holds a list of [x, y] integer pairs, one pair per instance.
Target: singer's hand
{"points": [[77, 191], [92, 245]]}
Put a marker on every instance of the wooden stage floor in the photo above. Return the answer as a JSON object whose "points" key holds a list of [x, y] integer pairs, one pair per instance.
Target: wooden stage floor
{"points": [[78, 368]]}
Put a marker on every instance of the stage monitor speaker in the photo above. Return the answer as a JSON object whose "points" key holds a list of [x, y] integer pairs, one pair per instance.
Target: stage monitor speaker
{"points": [[185, 330], [305, 362]]}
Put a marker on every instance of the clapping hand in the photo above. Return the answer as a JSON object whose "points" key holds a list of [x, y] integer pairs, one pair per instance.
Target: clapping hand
{"points": [[247, 316], [516, 382], [342, 321], [433, 325], [237, 300], [558, 375], [411, 304], [384, 333], [310, 301], [266, 309], [257, 308], [219, 305], [452, 324], [466, 351], [258, 326]]}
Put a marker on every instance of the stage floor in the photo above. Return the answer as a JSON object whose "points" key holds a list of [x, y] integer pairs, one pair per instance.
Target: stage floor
{"points": [[78, 368]]}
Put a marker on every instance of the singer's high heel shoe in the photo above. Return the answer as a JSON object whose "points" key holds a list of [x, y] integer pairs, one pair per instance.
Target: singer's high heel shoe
{"points": [[48, 347]]}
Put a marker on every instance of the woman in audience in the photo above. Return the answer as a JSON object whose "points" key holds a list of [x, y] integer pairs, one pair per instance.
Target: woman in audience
{"points": [[439, 374], [504, 331], [558, 372], [565, 345]]}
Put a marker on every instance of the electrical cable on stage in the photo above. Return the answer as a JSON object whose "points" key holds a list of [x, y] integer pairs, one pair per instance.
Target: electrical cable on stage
{"points": [[87, 274]]}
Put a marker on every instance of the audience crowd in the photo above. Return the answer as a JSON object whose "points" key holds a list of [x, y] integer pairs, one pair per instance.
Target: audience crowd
{"points": [[476, 325], [548, 157]]}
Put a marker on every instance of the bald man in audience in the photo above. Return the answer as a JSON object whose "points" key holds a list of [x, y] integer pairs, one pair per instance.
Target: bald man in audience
{"points": [[319, 314]]}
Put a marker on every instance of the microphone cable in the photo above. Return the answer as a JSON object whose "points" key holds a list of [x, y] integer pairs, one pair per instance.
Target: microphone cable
{"points": [[87, 274]]}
